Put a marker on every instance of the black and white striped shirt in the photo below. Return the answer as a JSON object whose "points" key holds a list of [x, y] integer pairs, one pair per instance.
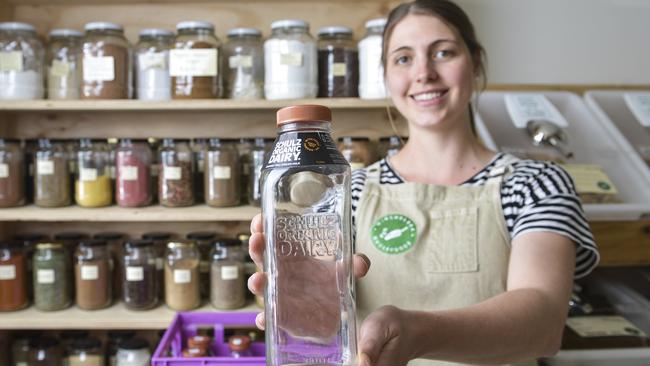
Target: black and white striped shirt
{"points": [[536, 196]]}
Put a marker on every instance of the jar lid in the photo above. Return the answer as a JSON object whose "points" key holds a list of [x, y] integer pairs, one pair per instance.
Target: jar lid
{"points": [[244, 32], [353, 138], [239, 343], [90, 243], [103, 25], [71, 235], [375, 23], [201, 235], [199, 140], [65, 32], [393, 138], [109, 235], [180, 244], [226, 242], [49, 246], [138, 243], [73, 334], [156, 32], [11, 245], [26, 334], [263, 140], [304, 113], [85, 343], [157, 235], [32, 237], [9, 26], [288, 23], [194, 24], [218, 141], [133, 344], [246, 140], [120, 334], [199, 341], [43, 342], [335, 30]]}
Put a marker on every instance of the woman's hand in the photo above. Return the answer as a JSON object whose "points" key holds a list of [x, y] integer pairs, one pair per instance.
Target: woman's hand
{"points": [[383, 340], [257, 281]]}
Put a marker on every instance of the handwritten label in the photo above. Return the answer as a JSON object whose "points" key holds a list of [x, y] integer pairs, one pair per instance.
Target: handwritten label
{"points": [[243, 61], [44, 167], [291, 59], [182, 276], [154, 60], [129, 173], [134, 274], [45, 276], [11, 61], [7, 272], [229, 273], [221, 172], [87, 174], [4, 171], [89, 273], [59, 68], [197, 62], [339, 69], [99, 68], [172, 173]]}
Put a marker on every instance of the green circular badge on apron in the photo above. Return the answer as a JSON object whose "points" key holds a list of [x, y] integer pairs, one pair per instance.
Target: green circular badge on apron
{"points": [[393, 234]]}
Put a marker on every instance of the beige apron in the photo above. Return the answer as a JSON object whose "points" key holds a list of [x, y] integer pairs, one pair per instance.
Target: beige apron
{"points": [[431, 247]]}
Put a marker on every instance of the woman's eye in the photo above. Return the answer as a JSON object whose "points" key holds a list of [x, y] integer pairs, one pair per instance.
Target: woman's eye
{"points": [[401, 60], [443, 54]]}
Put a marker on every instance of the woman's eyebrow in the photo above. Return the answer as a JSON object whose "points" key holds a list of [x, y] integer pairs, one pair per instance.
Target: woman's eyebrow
{"points": [[433, 44]]}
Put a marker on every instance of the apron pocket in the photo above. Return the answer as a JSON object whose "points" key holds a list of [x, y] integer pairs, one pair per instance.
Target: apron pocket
{"points": [[451, 241]]}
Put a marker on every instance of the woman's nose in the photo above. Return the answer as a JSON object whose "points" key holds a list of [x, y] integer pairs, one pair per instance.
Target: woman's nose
{"points": [[425, 71]]}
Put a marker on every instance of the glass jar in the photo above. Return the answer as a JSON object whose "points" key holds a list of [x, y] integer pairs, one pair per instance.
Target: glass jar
{"points": [[66, 337], [204, 241], [182, 288], [52, 174], [338, 63], [29, 242], [13, 276], [52, 285], [29, 147], [139, 275], [12, 175], [199, 146], [244, 148], [133, 352], [63, 65], [244, 71], [85, 352], [222, 187], [175, 179], [152, 64], [239, 346], [20, 346], [93, 182], [160, 240], [194, 62], [260, 152], [133, 177], [116, 337], [391, 145], [21, 62], [106, 62], [93, 275], [357, 151], [45, 351], [371, 70], [290, 61], [227, 279]]}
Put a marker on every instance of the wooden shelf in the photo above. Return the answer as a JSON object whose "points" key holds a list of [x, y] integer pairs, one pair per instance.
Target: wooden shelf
{"points": [[120, 214], [177, 105], [114, 317]]}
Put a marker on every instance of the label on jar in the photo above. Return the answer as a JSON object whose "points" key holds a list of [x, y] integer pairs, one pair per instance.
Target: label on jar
{"points": [[182, 276], [221, 172], [134, 274], [129, 173], [59, 68], [603, 326], [291, 59], [339, 69], [11, 61], [7, 272], [523, 108], [4, 171], [155, 60], [172, 173], [590, 179], [160, 264], [229, 272], [22, 364], [193, 62], [87, 174], [89, 273], [44, 167], [237, 61], [639, 104], [304, 148], [45, 276], [99, 68]]}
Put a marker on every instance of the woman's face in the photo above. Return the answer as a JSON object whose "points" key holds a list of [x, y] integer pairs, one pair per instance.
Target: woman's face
{"points": [[429, 71]]}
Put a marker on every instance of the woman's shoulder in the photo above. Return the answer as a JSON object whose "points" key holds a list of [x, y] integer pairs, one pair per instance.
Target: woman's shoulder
{"points": [[543, 176]]}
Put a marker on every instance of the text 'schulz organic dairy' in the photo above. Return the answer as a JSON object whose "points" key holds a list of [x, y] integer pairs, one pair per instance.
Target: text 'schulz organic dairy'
{"points": [[310, 310]]}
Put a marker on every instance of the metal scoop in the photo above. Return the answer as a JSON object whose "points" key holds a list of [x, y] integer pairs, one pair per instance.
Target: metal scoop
{"points": [[547, 133]]}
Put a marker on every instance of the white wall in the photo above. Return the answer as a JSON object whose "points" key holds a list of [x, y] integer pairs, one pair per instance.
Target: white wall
{"points": [[564, 41]]}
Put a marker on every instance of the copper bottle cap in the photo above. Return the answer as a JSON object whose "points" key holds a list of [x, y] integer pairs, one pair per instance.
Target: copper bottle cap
{"points": [[304, 113]]}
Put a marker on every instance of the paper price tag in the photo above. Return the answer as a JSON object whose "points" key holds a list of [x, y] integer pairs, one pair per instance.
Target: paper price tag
{"points": [[229, 273], [99, 68], [134, 274], [89, 273], [45, 276], [156, 60], [182, 276], [198, 62], [523, 108], [639, 104], [7, 272], [129, 173], [87, 175], [172, 173], [590, 179], [603, 326], [243, 61], [221, 172], [291, 59], [44, 167], [59, 68], [4, 171], [11, 61], [339, 69]]}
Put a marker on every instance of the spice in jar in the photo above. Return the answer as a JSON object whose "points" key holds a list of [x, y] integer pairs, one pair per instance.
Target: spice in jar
{"points": [[160, 240], [139, 275], [371, 70], [106, 62], [222, 187], [92, 275], [93, 182], [338, 63], [243, 56], [239, 346], [204, 241], [29, 242], [52, 285], [12, 176], [44, 351], [199, 146], [85, 352], [194, 62], [175, 179], [182, 289], [357, 151], [20, 346], [13, 277], [21, 62], [52, 175], [152, 64], [115, 338], [133, 352], [62, 56], [227, 280], [198, 346], [132, 162]]}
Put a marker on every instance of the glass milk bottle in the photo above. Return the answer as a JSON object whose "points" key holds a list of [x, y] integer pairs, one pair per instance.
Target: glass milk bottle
{"points": [[310, 308]]}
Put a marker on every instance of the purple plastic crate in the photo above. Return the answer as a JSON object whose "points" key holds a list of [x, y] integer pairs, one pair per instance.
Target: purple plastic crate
{"points": [[185, 325]]}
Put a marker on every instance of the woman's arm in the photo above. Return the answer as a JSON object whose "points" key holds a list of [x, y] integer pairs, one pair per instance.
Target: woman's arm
{"points": [[526, 322]]}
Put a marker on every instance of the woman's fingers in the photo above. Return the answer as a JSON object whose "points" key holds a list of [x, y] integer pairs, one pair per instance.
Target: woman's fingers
{"points": [[361, 265], [260, 321], [256, 224], [256, 283], [256, 249]]}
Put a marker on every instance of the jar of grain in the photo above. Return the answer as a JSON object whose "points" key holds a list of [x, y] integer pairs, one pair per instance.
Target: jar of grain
{"points": [[93, 182], [182, 288], [152, 64], [139, 275], [132, 173], [85, 352], [338, 63], [63, 64], [93, 275], [106, 62], [222, 174], [52, 174], [244, 64], [21, 62], [227, 279], [13, 276], [175, 176], [357, 151], [12, 173], [52, 285]]}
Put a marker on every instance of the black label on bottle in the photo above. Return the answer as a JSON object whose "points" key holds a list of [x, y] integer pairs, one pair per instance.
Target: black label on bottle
{"points": [[304, 148]]}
